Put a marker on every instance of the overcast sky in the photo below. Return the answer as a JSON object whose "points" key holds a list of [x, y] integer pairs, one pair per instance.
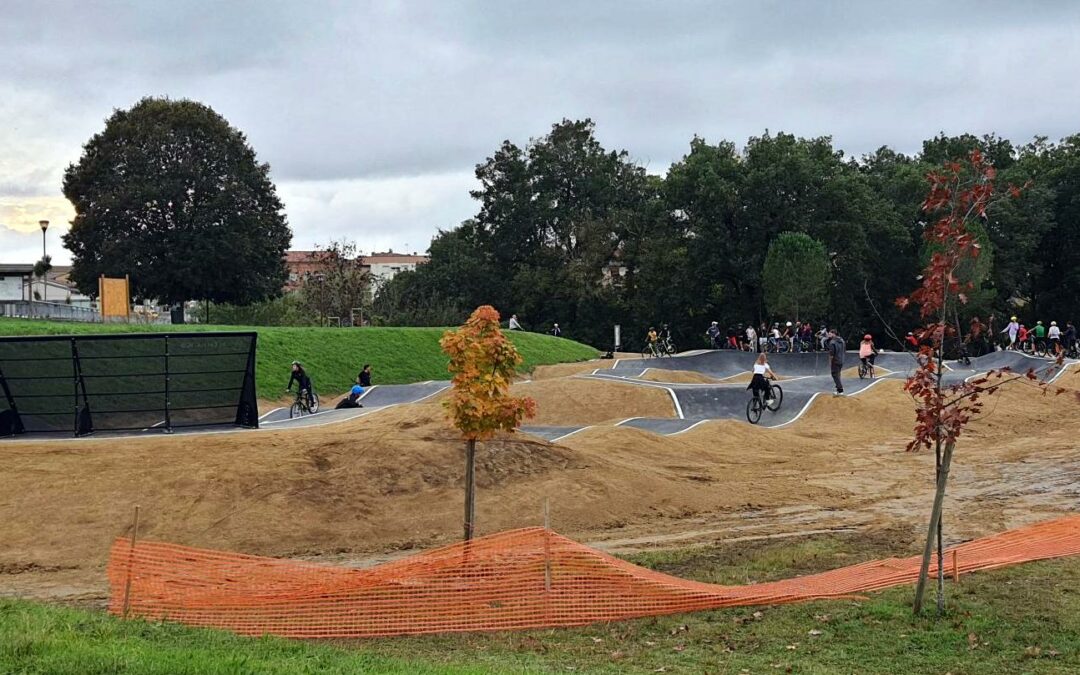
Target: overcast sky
{"points": [[373, 115]]}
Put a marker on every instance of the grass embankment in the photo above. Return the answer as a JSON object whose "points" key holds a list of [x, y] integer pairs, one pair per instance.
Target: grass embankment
{"points": [[333, 356], [1019, 619]]}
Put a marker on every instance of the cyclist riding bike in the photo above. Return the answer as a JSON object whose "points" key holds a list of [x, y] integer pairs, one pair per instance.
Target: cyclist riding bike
{"points": [[651, 340], [303, 382], [759, 383], [713, 333], [867, 353]]}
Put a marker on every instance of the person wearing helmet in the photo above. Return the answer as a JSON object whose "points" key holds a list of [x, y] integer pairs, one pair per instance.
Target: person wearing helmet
{"points": [[300, 377], [1055, 337], [1012, 330], [911, 342], [713, 333], [774, 337], [352, 400], [867, 351]]}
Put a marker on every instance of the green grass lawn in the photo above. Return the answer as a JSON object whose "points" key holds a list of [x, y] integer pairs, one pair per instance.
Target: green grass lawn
{"points": [[1023, 619], [333, 356]]}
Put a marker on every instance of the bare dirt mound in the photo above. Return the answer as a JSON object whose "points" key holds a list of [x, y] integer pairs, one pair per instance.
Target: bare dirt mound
{"points": [[567, 369], [677, 376], [579, 401]]}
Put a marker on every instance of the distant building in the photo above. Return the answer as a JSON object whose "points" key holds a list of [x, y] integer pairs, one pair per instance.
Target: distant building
{"points": [[381, 266], [17, 282], [385, 266], [14, 282]]}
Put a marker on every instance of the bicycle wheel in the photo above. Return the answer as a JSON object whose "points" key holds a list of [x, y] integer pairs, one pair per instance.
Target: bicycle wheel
{"points": [[296, 410], [862, 371], [753, 410], [773, 404], [314, 407], [1040, 348], [645, 353]]}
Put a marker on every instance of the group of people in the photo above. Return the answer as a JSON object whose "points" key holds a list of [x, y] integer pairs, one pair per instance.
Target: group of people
{"points": [[834, 346], [306, 389], [1016, 335], [796, 337]]}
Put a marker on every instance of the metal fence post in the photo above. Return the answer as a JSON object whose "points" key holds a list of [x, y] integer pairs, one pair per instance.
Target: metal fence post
{"points": [[168, 402]]}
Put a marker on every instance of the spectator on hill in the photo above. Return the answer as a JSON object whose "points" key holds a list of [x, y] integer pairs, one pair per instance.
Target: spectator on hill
{"points": [[364, 378], [513, 324], [835, 347], [556, 331]]}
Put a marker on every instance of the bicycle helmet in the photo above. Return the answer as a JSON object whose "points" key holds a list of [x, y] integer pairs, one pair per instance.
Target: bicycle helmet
{"points": [[1040, 323], [869, 337], [788, 323], [1052, 323], [1013, 319], [296, 363]]}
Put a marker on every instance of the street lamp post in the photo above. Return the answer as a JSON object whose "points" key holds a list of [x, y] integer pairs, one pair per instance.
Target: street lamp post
{"points": [[44, 277]]}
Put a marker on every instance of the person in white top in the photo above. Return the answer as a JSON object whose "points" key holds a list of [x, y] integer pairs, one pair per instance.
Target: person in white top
{"points": [[1055, 337], [759, 383], [1012, 329], [751, 339], [514, 325]]}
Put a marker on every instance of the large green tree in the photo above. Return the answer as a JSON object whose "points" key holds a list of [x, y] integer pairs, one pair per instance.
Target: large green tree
{"points": [[796, 275], [173, 196]]}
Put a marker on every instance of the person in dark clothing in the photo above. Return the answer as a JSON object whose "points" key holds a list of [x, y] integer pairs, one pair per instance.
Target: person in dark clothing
{"points": [[353, 399], [835, 347], [1070, 335], [302, 380], [365, 376]]}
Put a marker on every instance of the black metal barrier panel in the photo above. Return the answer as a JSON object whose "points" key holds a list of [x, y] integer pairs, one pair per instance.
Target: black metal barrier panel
{"points": [[126, 382]]}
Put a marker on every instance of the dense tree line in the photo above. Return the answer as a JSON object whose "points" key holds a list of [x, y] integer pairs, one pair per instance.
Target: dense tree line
{"points": [[570, 232]]}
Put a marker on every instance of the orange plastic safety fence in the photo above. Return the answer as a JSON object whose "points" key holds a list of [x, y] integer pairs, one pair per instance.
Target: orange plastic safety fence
{"points": [[529, 578]]}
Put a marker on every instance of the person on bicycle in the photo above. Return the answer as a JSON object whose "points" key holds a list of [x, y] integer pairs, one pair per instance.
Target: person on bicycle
{"points": [[1055, 338], [713, 333], [1022, 335], [867, 351], [1070, 335], [751, 339], [1012, 329], [911, 342], [1039, 332], [759, 383], [651, 338], [300, 377], [774, 337]]}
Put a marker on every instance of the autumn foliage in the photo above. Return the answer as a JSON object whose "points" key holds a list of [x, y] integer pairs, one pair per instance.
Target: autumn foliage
{"points": [[483, 362], [958, 192]]}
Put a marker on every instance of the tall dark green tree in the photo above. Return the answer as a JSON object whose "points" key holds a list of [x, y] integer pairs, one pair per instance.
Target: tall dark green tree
{"points": [[796, 276], [173, 196]]}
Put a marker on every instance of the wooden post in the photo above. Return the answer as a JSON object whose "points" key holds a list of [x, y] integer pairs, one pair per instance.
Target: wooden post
{"points": [[547, 546], [127, 300], [131, 561], [955, 568], [470, 488]]}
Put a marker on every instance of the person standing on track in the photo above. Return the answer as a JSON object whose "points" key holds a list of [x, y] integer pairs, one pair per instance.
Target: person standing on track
{"points": [[1055, 338], [835, 347], [751, 339], [1011, 330], [1070, 335]]}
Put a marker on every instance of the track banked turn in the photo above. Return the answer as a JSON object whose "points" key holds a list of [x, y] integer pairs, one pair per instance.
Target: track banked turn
{"points": [[805, 376]]}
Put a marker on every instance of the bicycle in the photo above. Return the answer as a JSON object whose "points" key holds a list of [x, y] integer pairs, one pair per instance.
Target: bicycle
{"points": [[755, 406], [866, 370], [651, 350], [305, 404]]}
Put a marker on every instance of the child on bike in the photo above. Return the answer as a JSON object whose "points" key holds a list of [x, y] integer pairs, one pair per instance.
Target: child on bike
{"points": [[759, 383], [302, 380], [867, 351], [652, 338]]}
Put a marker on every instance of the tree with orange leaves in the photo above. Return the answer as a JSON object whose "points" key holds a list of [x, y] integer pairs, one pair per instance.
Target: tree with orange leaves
{"points": [[483, 362], [959, 192]]}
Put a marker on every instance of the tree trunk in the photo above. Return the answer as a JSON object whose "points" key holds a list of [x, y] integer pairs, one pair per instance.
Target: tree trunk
{"points": [[935, 519], [470, 488]]}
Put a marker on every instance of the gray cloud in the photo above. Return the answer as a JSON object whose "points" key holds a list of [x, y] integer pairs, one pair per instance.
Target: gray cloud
{"points": [[350, 98]]}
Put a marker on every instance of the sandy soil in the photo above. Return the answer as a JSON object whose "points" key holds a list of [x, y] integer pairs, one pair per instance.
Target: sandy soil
{"points": [[678, 376], [573, 401], [568, 369], [391, 482]]}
